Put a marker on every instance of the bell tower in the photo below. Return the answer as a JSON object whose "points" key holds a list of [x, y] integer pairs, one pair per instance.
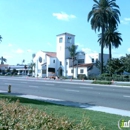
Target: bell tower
{"points": [[64, 40]]}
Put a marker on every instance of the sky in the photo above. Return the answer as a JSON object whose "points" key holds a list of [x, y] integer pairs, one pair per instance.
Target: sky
{"points": [[28, 26]]}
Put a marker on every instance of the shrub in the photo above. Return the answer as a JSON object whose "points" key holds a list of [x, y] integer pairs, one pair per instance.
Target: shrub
{"points": [[63, 77], [105, 75], [101, 82], [14, 116], [82, 76]]}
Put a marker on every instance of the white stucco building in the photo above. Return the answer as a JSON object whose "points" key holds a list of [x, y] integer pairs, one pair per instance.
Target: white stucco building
{"points": [[59, 63]]}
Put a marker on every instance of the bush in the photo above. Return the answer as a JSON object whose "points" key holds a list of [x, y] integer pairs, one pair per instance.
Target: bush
{"points": [[105, 75], [101, 82], [82, 76], [14, 116], [63, 77]]}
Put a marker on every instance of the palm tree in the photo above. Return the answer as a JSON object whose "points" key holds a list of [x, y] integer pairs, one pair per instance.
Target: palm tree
{"points": [[32, 66], [112, 38], [103, 14], [0, 38], [73, 54], [23, 61], [3, 60]]}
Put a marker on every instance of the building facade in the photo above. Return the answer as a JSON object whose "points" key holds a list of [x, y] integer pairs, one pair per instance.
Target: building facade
{"points": [[59, 63]]}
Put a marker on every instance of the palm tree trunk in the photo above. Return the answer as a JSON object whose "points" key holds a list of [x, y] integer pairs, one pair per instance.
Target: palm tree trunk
{"points": [[102, 46], [110, 54], [73, 67]]}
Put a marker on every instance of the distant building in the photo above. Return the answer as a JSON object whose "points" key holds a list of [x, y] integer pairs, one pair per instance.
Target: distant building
{"points": [[4, 66], [59, 63]]}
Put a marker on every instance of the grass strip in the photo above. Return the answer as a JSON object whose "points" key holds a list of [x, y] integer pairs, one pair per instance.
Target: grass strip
{"points": [[110, 121]]}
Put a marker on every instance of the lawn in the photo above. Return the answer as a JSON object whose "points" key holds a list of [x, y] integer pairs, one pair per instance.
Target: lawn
{"points": [[72, 113]]}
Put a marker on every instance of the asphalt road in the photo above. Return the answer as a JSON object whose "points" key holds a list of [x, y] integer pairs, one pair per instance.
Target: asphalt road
{"points": [[71, 91]]}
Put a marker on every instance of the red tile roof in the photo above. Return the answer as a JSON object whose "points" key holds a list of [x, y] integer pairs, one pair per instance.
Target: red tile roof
{"points": [[4, 65], [51, 54]]}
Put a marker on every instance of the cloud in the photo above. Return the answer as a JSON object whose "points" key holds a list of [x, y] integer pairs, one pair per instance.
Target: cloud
{"points": [[49, 44], [88, 50], [128, 49], [29, 50], [63, 16], [19, 51], [10, 45], [125, 21]]}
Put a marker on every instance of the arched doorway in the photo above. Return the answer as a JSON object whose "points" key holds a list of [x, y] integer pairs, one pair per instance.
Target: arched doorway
{"points": [[60, 71]]}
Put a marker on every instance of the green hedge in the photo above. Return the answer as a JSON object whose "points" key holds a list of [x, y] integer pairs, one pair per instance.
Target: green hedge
{"points": [[101, 82], [82, 76]]}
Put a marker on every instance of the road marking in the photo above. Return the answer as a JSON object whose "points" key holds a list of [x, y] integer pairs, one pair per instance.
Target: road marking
{"points": [[49, 84], [126, 96], [87, 87], [7, 83], [24, 82], [31, 86], [71, 90]]}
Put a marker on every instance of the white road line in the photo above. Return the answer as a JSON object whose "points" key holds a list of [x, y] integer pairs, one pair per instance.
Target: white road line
{"points": [[126, 96], [24, 82], [71, 90], [31, 86], [87, 87], [7, 83], [49, 84]]}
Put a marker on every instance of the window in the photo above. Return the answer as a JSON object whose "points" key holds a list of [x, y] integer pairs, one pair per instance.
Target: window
{"points": [[43, 71], [60, 40], [66, 71], [39, 71], [66, 63], [51, 70], [80, 61], [92, 60], [53, 61], [81, 71], [72, 71], [69, 39], [60, 63], [40, 59]]}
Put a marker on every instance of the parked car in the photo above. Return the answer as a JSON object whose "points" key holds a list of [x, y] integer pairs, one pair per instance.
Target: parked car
{"points": [[29, 74], [8, 74], [19, 73]]}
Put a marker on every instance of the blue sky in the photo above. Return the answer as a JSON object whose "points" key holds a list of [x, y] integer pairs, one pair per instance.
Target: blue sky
{"points": [[28, 26]]}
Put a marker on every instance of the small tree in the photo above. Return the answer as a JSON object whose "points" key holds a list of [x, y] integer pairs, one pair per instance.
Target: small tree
{"points": [[25, 67], [125, 60], [115, 66], [73, 54], [98, 65], [3, 60]]}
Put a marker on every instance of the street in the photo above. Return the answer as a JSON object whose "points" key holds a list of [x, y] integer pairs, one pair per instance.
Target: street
{"points": [[71, 91]]}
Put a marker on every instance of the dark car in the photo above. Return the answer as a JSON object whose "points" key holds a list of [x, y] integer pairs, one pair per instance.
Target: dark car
{"points": [[8, 74]]}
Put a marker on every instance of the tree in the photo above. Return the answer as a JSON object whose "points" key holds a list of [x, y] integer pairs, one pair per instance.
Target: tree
{"points": [[98, 65], [125, 60], [115, 66], [111, 38], [23, 61], [0, 38], [73, 54], [103, 14], [32, 66], [3, 60]]}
